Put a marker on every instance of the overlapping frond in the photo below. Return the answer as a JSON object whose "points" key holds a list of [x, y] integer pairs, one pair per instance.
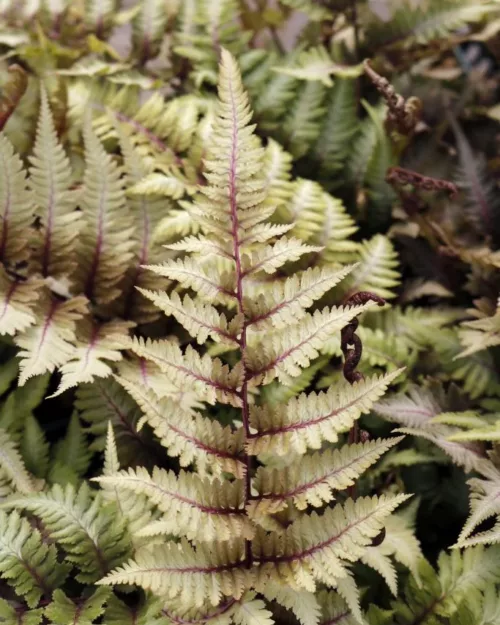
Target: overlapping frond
{"points": [[189, 435], [418, 412], [18, 303], [208, 377], [51, 181], [78, 521], [16, 205], [95, 347], [105, 240], [49, 342], [200, 509], [26, 562]]}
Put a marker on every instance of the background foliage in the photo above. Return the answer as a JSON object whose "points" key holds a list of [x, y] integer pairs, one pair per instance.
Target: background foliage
{"points": [[110, 121]]}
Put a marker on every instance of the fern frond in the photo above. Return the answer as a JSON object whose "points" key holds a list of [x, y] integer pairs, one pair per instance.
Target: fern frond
{"points": [[95, 345], [325, 542], [12, 465], [206, 281], [309, 419], [89, 533], [34, 449], [63, 610], [209, 378], [417, 412], [49, 343], [27, 563], [301, 126], [148, 26], [287, 302], [315, 64], [202, 510], [376, 269], [174, 570], [304, 605], [462, 576], [309, 7], [293, 348], [338, 128], [423, 24], [200, 320], [106, 401], [105, 239], [11, 615], [314, 481], [18, 300], [50, 181], [190, 437], [72, 451], [16, 206], [484, 496]]}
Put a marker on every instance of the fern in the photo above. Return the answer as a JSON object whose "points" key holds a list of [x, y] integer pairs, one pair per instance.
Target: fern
{"points": [[231, 543]]}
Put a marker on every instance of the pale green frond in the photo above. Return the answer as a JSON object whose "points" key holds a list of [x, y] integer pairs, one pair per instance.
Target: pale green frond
{"points": [[196, 577], [34, 448], [49, 343], [27, 563], [12, 465], [286, 352], [338, 127], [201, 509], [148, 26], [135, 509], [317, 477], [326, 542], [77, 520], [416, 412], [462, 576], [119, 613], [72, 450], [106, 401], [423, 24], [200, 320], [301, 126], [310, 8], [105, 245], [334, 609], [484, 504], [99, 14], [309, 419], [376, 270], [335, 232], [315, 64], [16, 205], [9, 613], [304, 208], [51, 179], [63, 610]]}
